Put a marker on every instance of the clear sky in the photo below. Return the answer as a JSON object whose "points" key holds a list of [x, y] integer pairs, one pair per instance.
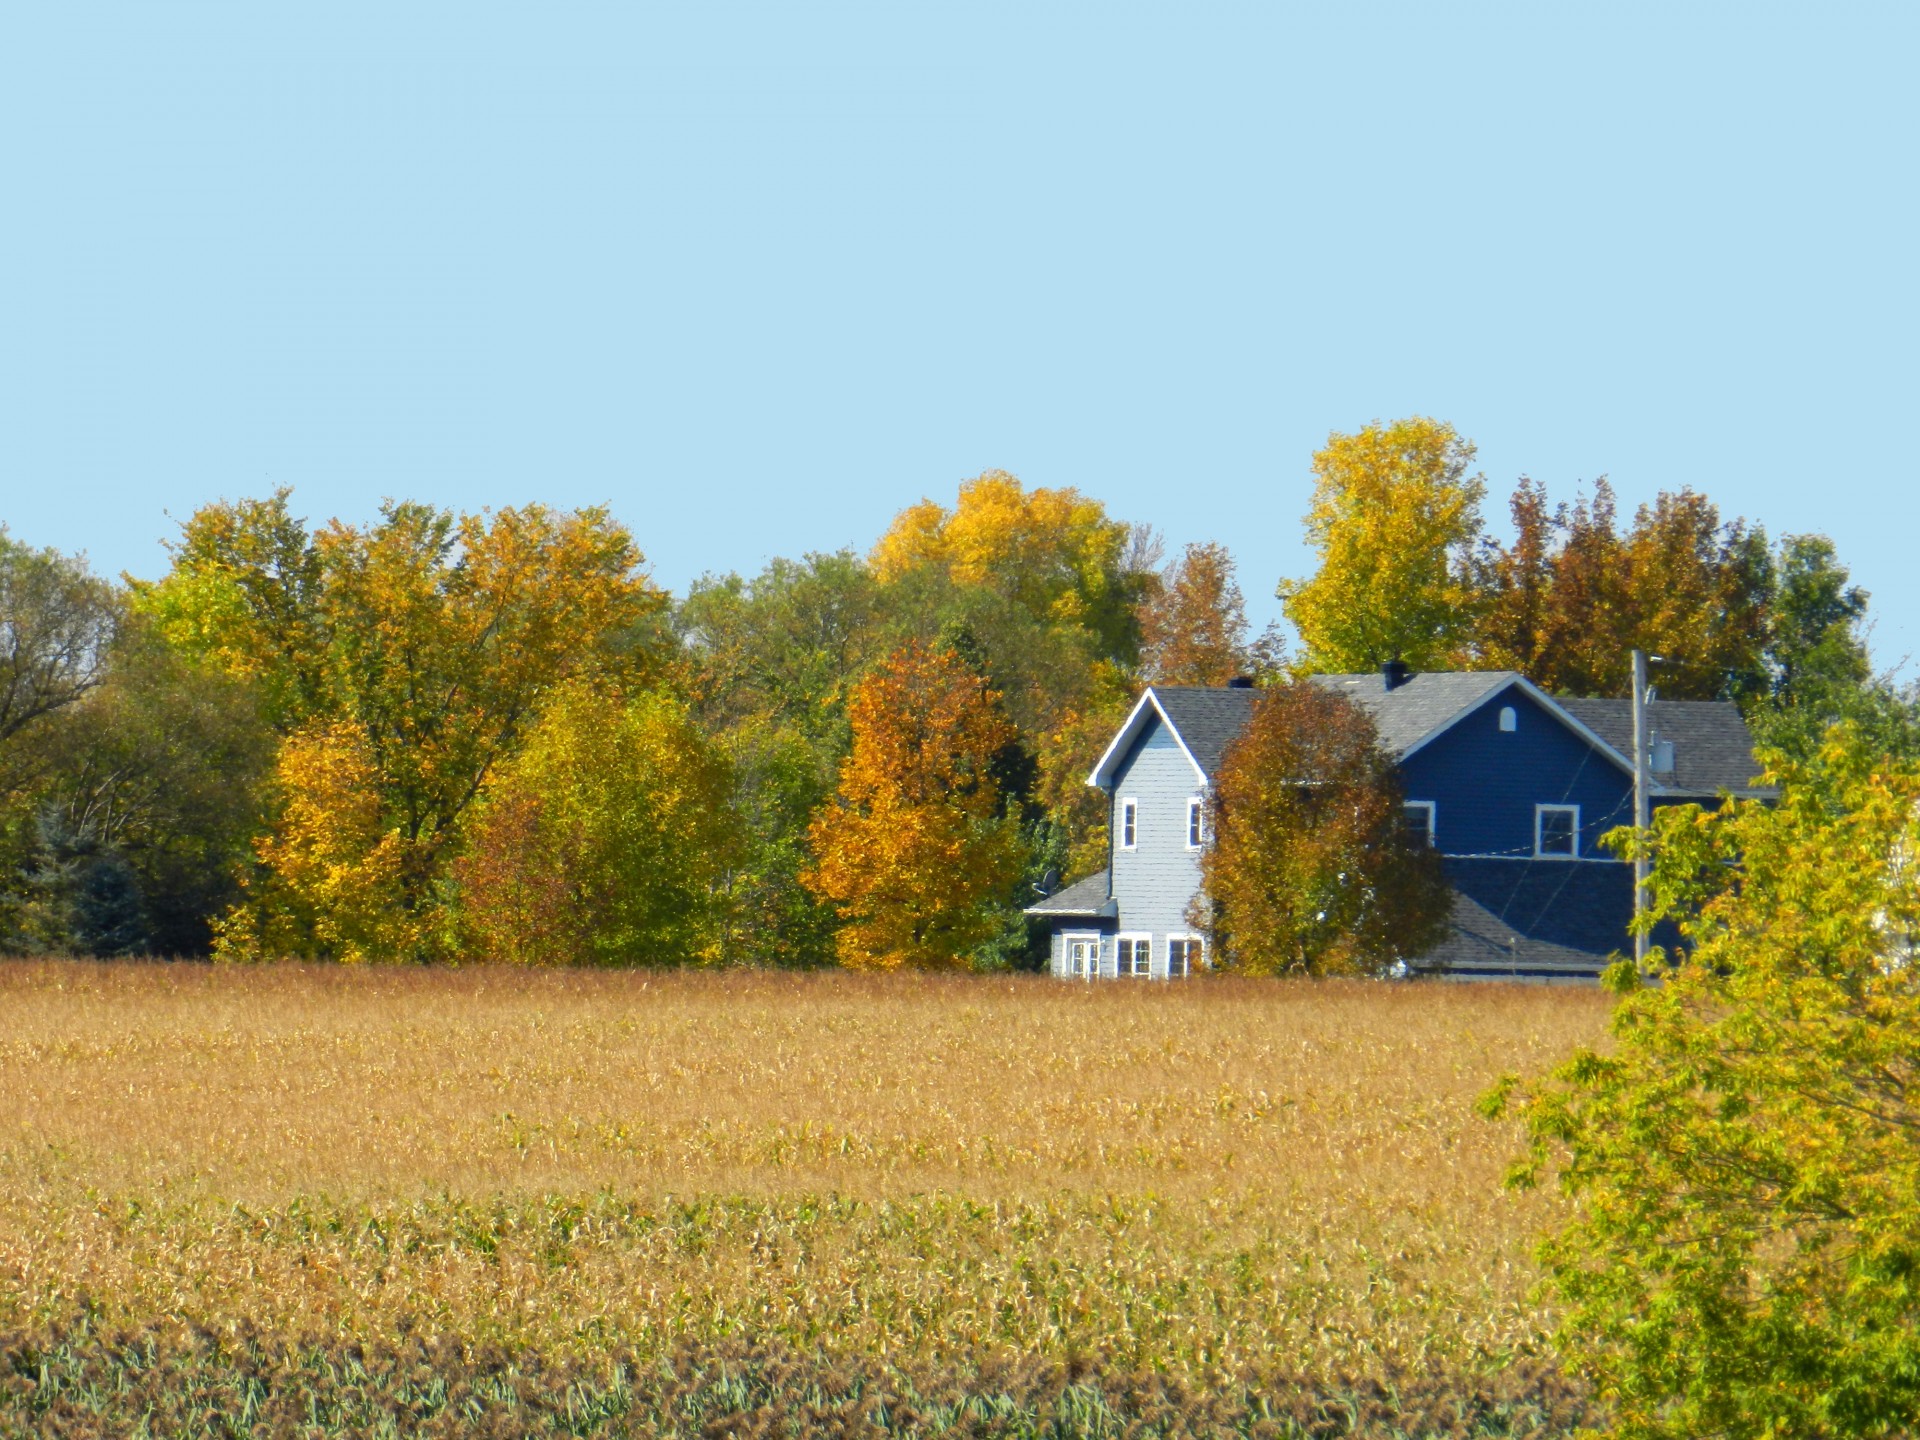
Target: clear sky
{"points": [[759, 276]]}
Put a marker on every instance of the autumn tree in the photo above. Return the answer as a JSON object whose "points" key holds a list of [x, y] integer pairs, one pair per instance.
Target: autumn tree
{"points": [[1055, 553], [244, 594], [1049, 586], [915, 851], [603, 841], [405, 661], [1741, 1257], [1311, 871], [1394, 517], [1573, 596], [1193, 628]]}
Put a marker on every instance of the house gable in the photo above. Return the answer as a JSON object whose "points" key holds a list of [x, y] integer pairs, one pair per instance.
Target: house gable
{"points": [[1485, 782]]}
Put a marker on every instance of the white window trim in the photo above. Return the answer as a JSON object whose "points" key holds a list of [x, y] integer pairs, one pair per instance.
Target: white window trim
{"points": [[1196, 955], [1141, 939], [1196, 822], [1067, 941], [1539, 814], [1129, 822], [1433, 817]]}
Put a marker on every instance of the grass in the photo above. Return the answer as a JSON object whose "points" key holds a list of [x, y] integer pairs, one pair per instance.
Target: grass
{"points": [[1193, 1183]]}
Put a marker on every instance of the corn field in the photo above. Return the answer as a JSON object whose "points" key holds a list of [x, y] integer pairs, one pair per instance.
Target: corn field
{"points": [[892, 1180]]}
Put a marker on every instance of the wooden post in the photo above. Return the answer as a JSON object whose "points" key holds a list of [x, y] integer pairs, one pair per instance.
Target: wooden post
{"points": [[1642, 817]]}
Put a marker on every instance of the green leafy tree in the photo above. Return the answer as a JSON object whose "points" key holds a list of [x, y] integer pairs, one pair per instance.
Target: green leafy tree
{"points": [[148, 801], [770, 662], [604, 841], [1310, 870], [57, 621], [1743, 1254], [1394, 518]]}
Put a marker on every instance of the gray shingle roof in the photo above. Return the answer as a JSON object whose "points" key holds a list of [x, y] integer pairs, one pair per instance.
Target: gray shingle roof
{"points": [[1084, 897], [1712, 750], [1409, 713], [1207, 717]]}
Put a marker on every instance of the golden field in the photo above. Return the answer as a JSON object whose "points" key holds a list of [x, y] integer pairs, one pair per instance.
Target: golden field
{"points": [[1194, 1179]]}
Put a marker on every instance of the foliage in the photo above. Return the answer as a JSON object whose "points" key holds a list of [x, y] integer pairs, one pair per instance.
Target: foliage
{"points": [[1818, 670], [245, 594], [1572, 597], [915, 850], [1194, 627], [1744, 1257], [1052, 552], [147, 801], [56, 622], [770, 663], [602, 841], [1394, 515], [440, 638], [1310, 871]]}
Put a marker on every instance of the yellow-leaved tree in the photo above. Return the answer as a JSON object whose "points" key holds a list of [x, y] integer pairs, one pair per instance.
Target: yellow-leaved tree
{"points": [[1744, 1155], [405, 661], [1055, 553], [914, 851], [604, 841], [1394, 517]]}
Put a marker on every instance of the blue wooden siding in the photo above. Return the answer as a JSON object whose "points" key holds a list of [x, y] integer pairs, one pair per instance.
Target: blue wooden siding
{"points": [[1154, 881], [1485, 782]]}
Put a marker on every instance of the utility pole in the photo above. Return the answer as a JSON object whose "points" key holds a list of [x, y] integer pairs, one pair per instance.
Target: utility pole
{"points": [[1642, 817]]}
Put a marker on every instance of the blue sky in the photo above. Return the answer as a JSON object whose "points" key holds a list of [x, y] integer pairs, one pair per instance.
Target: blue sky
{"points": [[758, 277]]}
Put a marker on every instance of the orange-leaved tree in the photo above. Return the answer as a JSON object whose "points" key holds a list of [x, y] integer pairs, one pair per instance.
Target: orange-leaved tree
{"points": [[1193, 628], [914, 851], [1311, 871], [1572, 596]]}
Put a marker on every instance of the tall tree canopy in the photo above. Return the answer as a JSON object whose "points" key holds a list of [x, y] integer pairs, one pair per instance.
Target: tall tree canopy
{"points": [[1394, 517], [1193, 628], [1311, 871], [915, 850], [1741, 1261], [603, 841], [1055, 553], [404, 661], [56, 622], [1572, 597]]}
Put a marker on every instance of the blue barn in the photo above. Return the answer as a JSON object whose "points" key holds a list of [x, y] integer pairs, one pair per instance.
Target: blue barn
{"points": [[1512, 786]]}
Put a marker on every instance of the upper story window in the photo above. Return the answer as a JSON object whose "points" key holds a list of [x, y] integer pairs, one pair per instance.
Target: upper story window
{"points": [[1416, 822], [1556, 831], [1129, 824], [1196, 823], [1509, 719]]}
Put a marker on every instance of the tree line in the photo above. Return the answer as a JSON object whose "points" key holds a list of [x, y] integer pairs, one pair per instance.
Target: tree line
{"points": [[441, 736]]}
